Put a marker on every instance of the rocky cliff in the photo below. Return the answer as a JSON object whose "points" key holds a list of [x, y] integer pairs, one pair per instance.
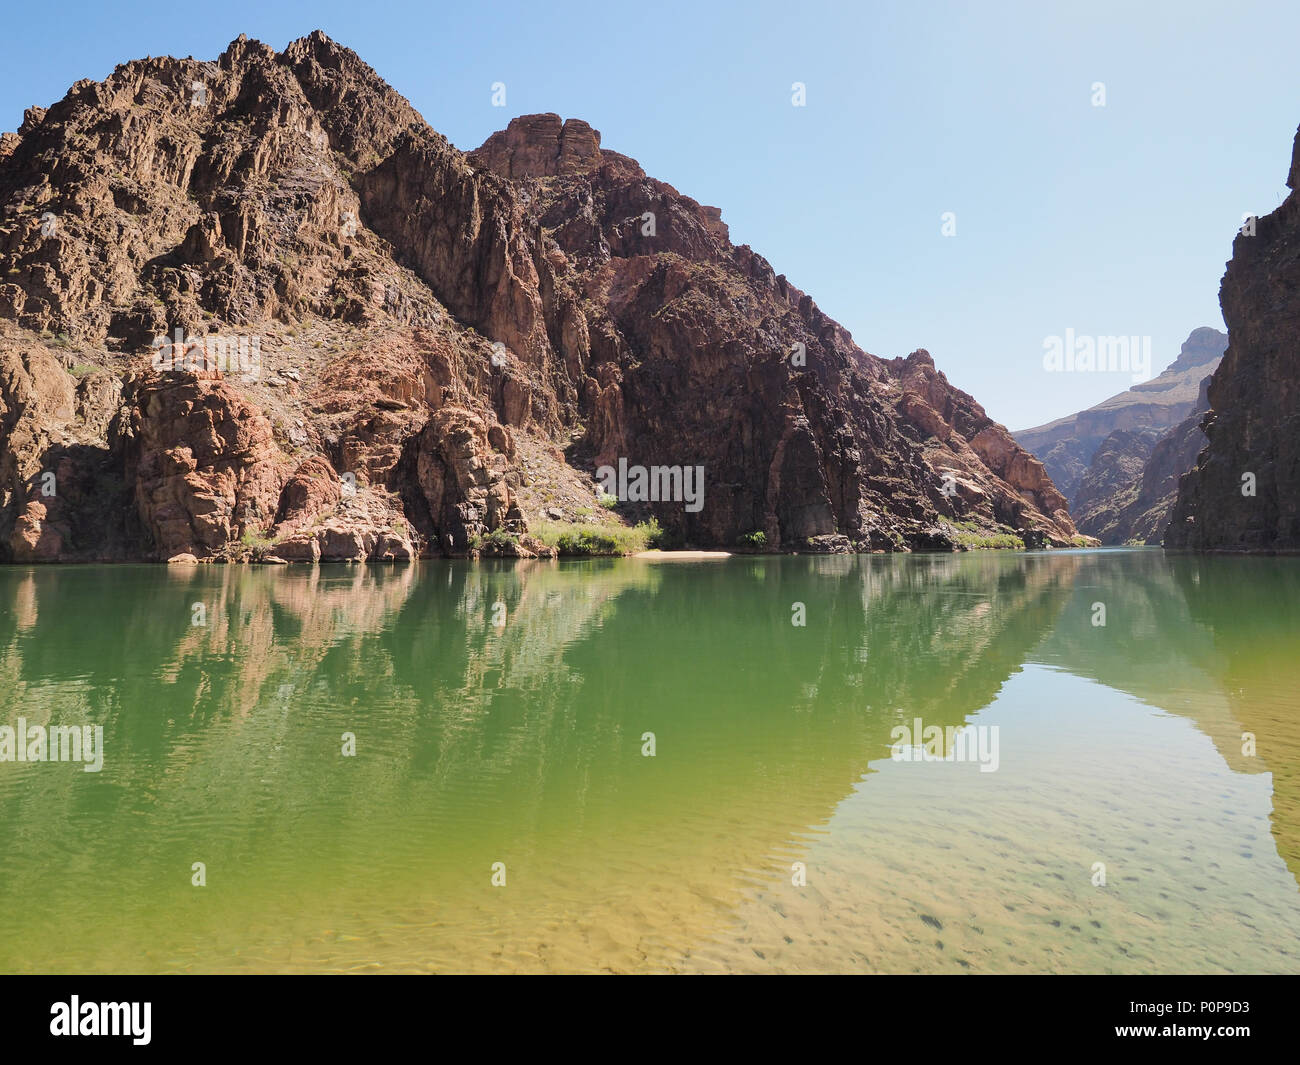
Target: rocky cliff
{"points": [[1067, 445], [1128, 493], [257, 307], [1244, 492]]}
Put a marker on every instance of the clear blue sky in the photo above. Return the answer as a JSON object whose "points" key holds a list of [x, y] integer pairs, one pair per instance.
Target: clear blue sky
{"points": [[1107, 221]]}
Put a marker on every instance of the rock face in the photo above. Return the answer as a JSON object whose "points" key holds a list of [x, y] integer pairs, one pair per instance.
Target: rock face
{"points": [[987, 469], [538, 146], [205, 469], [1067, 445], [1173, 455], [257, 308], [1110, 485], [688, 351], [61, 491], [462, 473], [1129, 491], [1121, 460], [1254, 424]]}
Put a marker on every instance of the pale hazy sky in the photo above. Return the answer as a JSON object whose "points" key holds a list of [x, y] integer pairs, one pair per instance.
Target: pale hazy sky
{"points": [[1113, 220]]}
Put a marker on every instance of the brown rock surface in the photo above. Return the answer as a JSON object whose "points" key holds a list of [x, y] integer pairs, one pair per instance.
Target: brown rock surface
{"points": [[997, 482], [312, 488], [1254, 424], [462, 477], [1104, 503], [61, 492], [1130, 489], [541, 146], [444, 340], [206, 469]]}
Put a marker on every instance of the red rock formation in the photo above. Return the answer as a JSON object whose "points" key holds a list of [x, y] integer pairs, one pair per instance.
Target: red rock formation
{"points": [[51, 502], [206, 470], [541, 146], [425, 319], [688, 361], [991, 473], [462, 474]]}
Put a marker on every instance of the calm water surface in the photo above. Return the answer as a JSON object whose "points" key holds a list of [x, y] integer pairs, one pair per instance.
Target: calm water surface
{"points": [[521, 743]]}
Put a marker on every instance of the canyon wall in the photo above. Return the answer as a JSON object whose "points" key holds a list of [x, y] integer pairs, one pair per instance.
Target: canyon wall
{"points": [[258, 307], [1244, 492]]}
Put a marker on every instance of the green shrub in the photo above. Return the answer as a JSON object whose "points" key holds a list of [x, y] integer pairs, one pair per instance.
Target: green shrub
{"points": [[589, 540], [757, 540], [499, 540], [654, 535], [994, 541], [255, 545]]}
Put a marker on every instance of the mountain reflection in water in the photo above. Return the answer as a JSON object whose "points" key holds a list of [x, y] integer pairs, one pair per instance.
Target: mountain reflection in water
{"points": [[521, 743]]}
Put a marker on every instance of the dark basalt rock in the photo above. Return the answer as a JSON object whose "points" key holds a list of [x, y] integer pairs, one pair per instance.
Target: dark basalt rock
{"points": [[1254, 422]]}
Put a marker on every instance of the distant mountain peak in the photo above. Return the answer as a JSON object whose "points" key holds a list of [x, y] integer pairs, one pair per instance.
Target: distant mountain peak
{"points": [[1203, 345], [1067, 445]]}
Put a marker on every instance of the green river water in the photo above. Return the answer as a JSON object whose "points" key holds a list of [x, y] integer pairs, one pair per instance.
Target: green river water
{"points": [[500, 712]]}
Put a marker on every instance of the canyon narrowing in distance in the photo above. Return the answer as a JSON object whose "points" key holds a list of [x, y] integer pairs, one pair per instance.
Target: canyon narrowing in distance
{"points": [[451, 344]]}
